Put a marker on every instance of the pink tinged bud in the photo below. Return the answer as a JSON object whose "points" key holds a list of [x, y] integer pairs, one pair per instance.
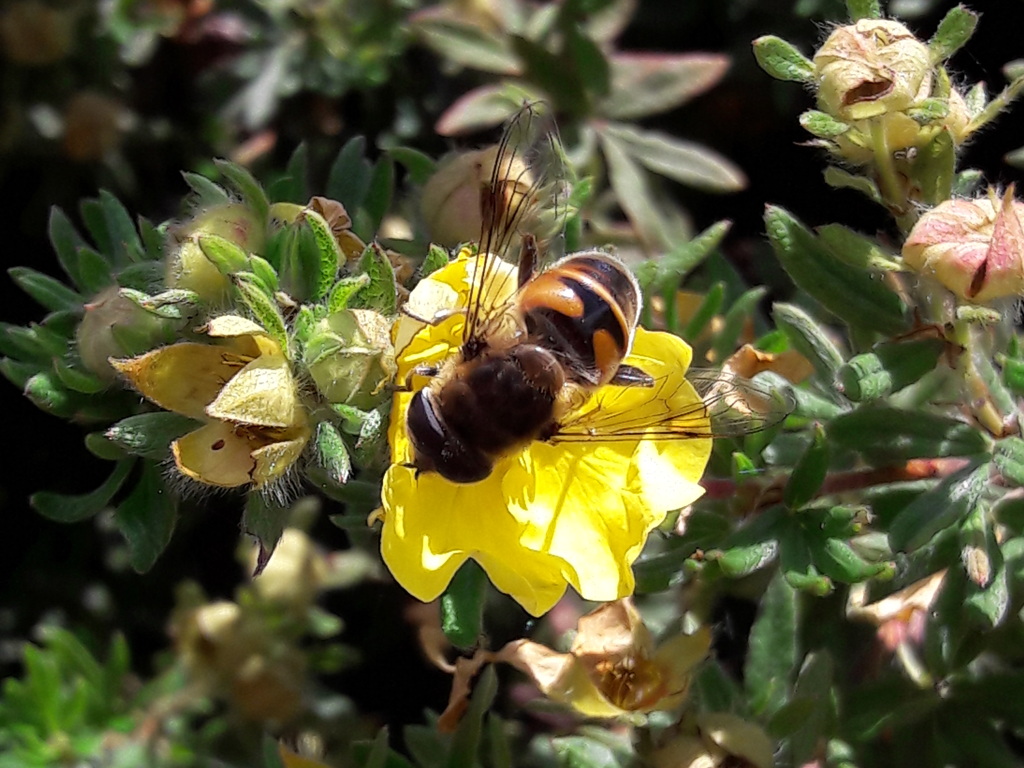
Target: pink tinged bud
{"points": [[109, 321], [975, 248], [871, 68]]}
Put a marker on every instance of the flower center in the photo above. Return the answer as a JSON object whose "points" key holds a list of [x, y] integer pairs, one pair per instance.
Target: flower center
{"points": [[631, 682]]}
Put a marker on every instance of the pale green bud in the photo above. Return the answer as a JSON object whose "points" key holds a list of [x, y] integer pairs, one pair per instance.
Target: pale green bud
{"points": [[351, 358]]}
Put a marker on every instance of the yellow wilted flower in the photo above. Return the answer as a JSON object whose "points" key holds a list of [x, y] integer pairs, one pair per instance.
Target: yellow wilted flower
{"points": [[550, 514], [256, 425], [613, 666]]}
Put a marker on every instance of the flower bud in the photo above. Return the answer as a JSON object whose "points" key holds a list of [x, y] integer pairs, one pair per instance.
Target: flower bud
{"points": [[973, 247], [870, 68], [451, 202], [188, 267], [114, 326], [351, 358], [33, 33]]}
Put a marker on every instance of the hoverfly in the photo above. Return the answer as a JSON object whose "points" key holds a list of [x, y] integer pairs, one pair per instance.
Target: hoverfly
{"points": [[529, 365]]}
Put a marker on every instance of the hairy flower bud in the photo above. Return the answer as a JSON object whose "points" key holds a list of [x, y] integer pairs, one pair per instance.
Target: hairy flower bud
{"points": [[451, 202], [973, 247], [351, 358], [114, 326], [188, 267], [870, 68], [295, 573]]}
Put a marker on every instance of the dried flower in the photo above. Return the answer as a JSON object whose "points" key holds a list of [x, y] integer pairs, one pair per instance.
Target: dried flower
{"points": [[255, 427], [718, 740], [973, 247], [870, 68], [613, 666]]}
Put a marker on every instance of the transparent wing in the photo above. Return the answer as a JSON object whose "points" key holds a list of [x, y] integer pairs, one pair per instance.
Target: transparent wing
{"points": [[525, 191], [706, 404]]}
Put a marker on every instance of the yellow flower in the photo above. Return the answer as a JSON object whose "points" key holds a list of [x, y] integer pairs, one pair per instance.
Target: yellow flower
{"points": [[613, 667], [548, 515], [256, 426]]}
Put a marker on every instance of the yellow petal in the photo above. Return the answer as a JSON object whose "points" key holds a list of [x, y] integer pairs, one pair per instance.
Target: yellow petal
{"points": [[274, 460], [678, 656], [262, 393], [216, 454], [431, 526], [183, 378], [233, 325]]}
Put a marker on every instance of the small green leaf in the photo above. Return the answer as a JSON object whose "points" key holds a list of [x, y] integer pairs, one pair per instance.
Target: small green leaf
{"points": [[809, 338], [224, 254], [933, 511], [822, 125], [349, 177], [71, 509], [462, 605], [246, 184], [889, 435], [469, 44], [633, 191], [50, 293], [330, 254], [436, 258], [127, 247], [780, 59], [94, 270], [381, 294], [343, 291], [837, 178], [646, 84], [863, 9], [47, 392], [987, 601], [589, 61], [484, 107], [840, 562], [855, 249], [76, 379], [150, 435], [263, 306], [851, 294], [687, 162], [175, 304], [814, 687], [664, 274], [773, 649], [332, 453], [934, 168], [954, 31], [66, 241], [208, 193], [1009, 460], [738, 561], [739, 315], [378, 194], [264, 271], [419, 165], [147, 518], [707, 310], [265, 520], [809, 472], [888, 369]]}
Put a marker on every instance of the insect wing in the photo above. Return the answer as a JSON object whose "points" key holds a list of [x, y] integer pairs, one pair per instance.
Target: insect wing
{"points": [[526, 191], [703, 404]]}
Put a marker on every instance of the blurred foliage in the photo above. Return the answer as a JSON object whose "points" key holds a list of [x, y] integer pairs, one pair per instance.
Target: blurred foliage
{"points": [[858, 562]]}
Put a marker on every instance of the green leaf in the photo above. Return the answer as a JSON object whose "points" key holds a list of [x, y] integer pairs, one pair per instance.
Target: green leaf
{"points": [[381, 294], [419, 165], [95, 219], [1009, 460], [465, 744], [772, 654], [224, 254], [263, 306], [66, 241], [813, 686], [781, 59], [954, 31], [863, 9], [251, 191], [888, 369], [851, 294], [208, 193], [841, 563], [76, 379], [646, 84], [484, 107], [837, 178], [822, 125], [589, 61], [933, 511], [707, 310], [48, 393], [809, 473], [127, 247], [94, 271], [438, 257], [147, 518], [150, 435], [320, 265], [796, 564], [343, 291], [332, 453], [738, 316], [175, 304], [462, 605], [934, 168], [293, 187], [855, 249], [378, 193], [889, 435], [633, 191], [663, 275], [50, 293], [987, 601], [469, 44], [70, 509], [265, 520], [809, 338], [687, 162], [349, 177]]}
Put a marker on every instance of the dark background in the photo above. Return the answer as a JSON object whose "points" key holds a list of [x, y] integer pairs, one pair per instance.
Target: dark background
{"points": [[46, 567]]}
